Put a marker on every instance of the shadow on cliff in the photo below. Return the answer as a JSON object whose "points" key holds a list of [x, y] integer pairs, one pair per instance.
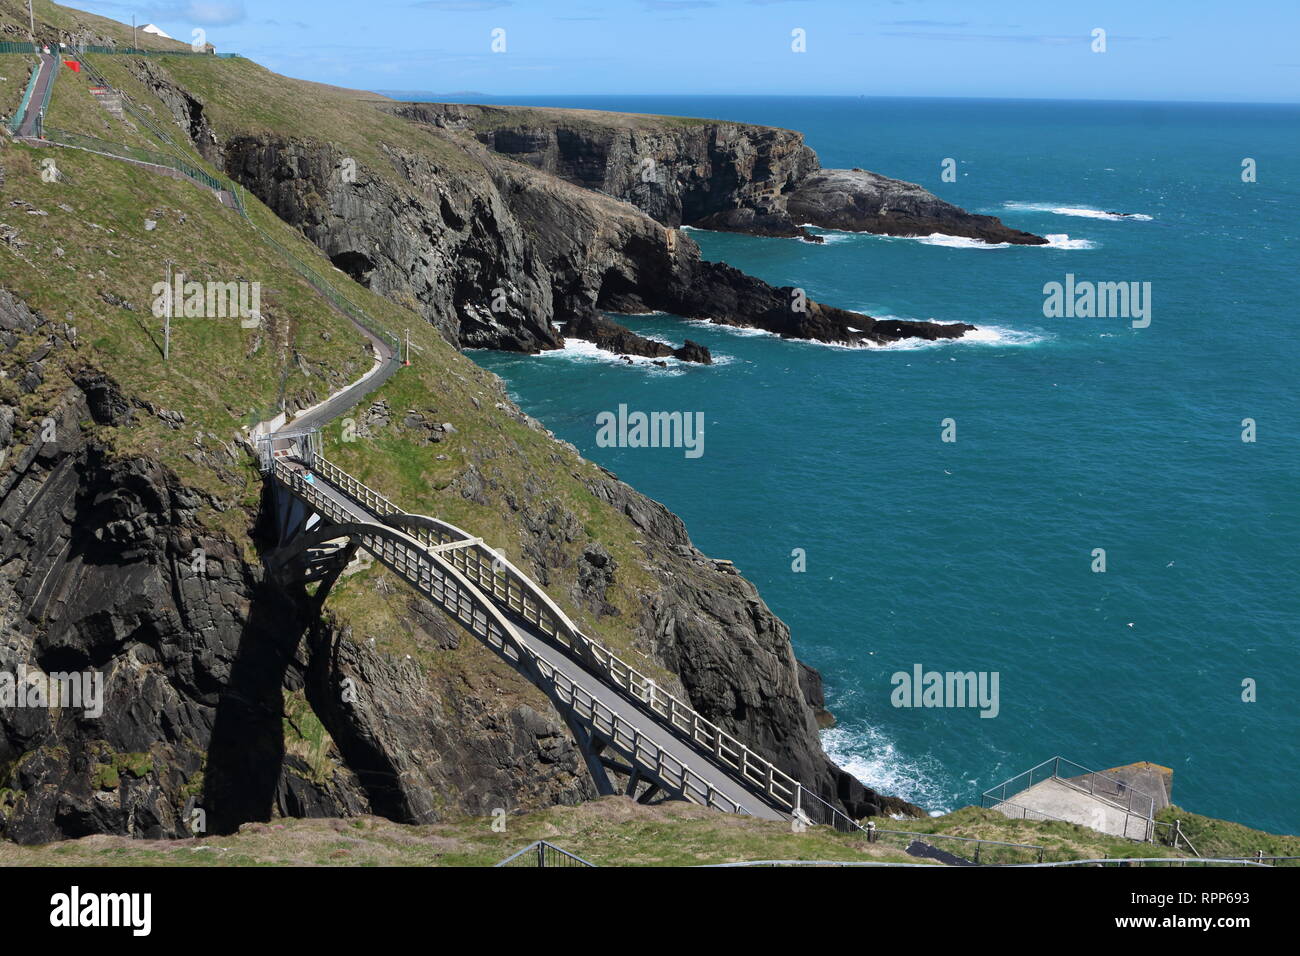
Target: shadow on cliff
{"points": [[246, 750]]}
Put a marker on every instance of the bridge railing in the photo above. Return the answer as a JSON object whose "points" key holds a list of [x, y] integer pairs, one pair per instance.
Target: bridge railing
{"points": [[516, 591], [543, 854], [429, 574], [24, 105]]}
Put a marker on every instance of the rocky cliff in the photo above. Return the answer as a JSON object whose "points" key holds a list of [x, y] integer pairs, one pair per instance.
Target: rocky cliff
{"points": [[714, 175], [128, 537]]}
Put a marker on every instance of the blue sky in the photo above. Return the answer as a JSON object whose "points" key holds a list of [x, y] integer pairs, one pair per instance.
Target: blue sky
{"points": [[1247, 50]]}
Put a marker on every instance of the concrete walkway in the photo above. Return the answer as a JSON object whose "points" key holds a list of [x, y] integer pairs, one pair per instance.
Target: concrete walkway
{"points": [[49, 66]]}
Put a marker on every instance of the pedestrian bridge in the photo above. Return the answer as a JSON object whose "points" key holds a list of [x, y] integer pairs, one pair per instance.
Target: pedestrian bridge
{"points": [[621, 719]]}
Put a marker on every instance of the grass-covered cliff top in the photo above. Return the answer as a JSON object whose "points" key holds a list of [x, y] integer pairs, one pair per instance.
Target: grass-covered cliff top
{"points": [[547, 117], [614, 831]]}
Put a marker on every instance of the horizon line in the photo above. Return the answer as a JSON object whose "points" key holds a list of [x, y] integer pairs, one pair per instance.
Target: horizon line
{"points": [[855, 96]]}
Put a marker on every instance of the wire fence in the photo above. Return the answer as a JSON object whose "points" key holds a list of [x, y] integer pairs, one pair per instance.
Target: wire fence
{"points": [[140, 51], [135, 154], [317, 282]]}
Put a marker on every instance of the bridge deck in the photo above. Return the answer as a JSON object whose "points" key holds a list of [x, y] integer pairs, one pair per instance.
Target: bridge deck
{"points": [[647, 727]]}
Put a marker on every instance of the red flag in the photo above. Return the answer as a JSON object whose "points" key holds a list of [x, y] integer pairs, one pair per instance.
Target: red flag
{"points": [[73, 64]]}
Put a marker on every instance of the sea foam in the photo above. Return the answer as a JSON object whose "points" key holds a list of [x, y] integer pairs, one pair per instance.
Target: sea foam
{"points": [[1083, 212]]}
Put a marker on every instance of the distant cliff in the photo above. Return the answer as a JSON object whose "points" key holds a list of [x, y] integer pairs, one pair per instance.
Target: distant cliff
{"points": [[715, 175]]}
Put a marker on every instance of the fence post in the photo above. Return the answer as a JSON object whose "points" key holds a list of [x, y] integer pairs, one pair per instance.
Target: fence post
{"points": [[871, 831], [541, 853]]}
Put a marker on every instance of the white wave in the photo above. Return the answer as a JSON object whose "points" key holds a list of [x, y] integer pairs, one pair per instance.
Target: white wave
{"points": [[983, 335], [957, 242], [875, 760], [1062, 240], [733, 329], [581, 350], [991, 335], [1084, 212]]}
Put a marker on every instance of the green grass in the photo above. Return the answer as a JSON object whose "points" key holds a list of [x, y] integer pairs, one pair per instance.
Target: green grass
{"points": [[15, 72], [1222, 838], [612, 831]]}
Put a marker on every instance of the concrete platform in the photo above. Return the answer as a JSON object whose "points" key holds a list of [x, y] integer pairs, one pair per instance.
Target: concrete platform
{"points": [[1054, 799]]}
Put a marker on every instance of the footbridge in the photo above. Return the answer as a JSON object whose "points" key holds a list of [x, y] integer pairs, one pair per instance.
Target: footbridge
{"points": [[622, 720]]}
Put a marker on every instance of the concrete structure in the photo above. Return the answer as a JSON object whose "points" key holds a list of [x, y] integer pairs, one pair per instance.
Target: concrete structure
{"points": [[1121, 801]]}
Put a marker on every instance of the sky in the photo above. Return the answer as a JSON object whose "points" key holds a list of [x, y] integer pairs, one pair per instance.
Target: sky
{"points": [[1211, 50]]}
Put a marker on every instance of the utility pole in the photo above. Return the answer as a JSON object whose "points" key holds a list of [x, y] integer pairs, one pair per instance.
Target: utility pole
{"points": [[31, 21], [167, 324], [135, 41], [409, 346]]}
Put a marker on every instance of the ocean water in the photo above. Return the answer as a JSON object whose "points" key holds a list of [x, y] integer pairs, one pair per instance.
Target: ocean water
{"points": [[1072, 434]]}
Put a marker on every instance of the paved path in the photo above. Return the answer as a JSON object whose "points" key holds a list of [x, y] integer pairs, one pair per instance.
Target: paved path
{"points": [[49, 66]]}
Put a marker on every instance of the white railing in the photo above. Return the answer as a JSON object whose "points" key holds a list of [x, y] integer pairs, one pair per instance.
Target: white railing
{"points": [[430, 574], [505, 583]]}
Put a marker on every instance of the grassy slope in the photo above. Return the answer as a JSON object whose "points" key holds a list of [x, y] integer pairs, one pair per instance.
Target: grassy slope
{"points": [[13, 14], [613, 832], [211, 360], [15, 71]]}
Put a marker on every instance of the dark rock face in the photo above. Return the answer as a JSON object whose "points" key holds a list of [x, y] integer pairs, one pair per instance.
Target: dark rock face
{"points": [[732, 177], [502, 259], [867, 202], [443, 244], [108, 569]]}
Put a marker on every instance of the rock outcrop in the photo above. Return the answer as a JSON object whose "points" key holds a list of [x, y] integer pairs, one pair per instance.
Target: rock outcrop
{"points": [[733, 177], [859, 201]]}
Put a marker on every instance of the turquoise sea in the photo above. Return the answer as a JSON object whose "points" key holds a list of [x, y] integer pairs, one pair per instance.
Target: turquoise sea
{"points": [[1072, 434]]}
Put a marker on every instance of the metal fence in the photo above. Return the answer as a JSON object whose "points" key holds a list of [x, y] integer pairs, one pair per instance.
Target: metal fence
{"points": [[135, 154], [542, 853], [138, 51], [16, 120], [317, 282], [1138, 807]]}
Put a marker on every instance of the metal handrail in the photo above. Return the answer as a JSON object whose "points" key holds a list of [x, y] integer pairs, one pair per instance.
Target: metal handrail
{"points": [[433, 577], [16, 121], [510, 586], [487, 569], [544, 851]]}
